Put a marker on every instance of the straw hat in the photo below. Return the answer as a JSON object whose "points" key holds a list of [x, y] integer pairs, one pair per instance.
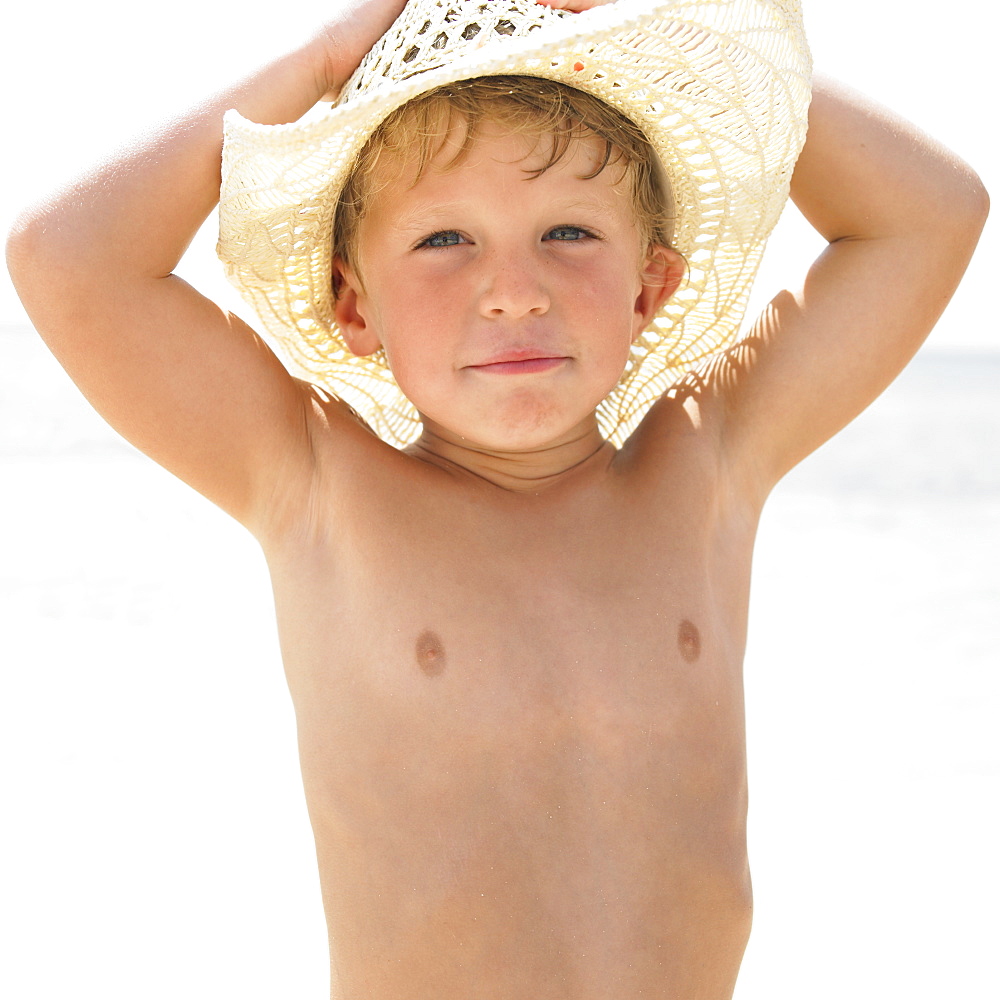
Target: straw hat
{"points": [[719, 87]]}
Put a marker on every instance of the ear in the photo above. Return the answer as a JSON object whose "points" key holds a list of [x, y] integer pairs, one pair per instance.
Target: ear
{"points": [[350, 308], [662, 272]]}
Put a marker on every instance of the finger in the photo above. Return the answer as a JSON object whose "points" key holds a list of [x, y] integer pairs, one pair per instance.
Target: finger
{"points": [[573, 5]]}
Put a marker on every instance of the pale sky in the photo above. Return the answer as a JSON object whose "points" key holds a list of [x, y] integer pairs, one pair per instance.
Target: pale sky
{"points": [[78, 79]]}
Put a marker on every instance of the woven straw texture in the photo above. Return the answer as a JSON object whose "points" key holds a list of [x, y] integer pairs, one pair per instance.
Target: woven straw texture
{"points": [[720, 88]]}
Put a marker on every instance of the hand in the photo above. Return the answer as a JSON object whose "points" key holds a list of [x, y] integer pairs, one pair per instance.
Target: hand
{"points": [[341, 43], [573, 5]]}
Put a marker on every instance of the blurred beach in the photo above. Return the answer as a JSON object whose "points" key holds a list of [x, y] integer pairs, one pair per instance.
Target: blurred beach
{"points": [[156, 843]]}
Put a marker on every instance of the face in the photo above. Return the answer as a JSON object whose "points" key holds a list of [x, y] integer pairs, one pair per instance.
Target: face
{"points": [[506, 303]]}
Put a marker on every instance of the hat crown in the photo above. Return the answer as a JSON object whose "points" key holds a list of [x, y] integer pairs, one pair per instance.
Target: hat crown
{"points": [[437, 33]]}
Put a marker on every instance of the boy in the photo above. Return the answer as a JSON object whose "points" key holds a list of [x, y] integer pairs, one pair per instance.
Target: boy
{"points": [[514, 649]]}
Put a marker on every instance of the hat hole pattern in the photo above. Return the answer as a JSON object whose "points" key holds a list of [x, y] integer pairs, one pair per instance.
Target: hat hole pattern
{"points": [[504, 26]]}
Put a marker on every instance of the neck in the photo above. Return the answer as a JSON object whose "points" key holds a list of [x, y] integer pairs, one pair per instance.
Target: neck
{"points": [[530, 470]]}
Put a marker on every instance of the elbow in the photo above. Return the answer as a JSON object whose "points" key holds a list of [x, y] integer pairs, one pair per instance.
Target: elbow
{"points": [[978, 199], [982, 199], [969, 209], [41, 264], [954, 214], [28, 252], [18, 248]]}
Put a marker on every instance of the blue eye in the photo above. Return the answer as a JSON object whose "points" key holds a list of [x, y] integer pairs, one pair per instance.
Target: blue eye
{"points": [[568, 234], [448, 238]]}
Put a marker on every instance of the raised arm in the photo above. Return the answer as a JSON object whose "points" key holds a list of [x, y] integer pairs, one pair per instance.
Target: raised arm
{"points": [[190, 385], [902, 216]]}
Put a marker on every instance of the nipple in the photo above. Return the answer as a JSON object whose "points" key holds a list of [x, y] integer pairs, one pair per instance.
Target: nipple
{"points": [[689, 640], [430, 653]]}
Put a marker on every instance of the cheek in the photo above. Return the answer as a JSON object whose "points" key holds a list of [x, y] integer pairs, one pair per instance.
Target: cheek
{"points": [[407, 363], [418, 357], [610, 301]]}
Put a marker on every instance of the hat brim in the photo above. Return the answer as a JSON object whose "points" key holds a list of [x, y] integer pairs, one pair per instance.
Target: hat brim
{"points": [[720, 89]]}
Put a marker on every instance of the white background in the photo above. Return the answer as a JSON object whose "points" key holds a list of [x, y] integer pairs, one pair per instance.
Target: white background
{"points": [[154, 839]]}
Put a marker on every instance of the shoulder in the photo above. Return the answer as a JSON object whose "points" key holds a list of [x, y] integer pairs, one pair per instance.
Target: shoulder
{"points": [[691, 443], [686, 418], [680, 437], [313, 485]]}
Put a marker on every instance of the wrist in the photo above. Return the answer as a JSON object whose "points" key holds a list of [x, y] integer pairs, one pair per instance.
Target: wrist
{"points": [[281, 91], [324, 58], [338, 47]]}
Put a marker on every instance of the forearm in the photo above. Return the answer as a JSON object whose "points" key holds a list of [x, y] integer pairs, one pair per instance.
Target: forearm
{"points": [[867, 174]]}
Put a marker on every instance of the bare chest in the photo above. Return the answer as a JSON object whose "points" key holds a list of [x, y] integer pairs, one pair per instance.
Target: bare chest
{"points": [[583, 651], [525, 733]]}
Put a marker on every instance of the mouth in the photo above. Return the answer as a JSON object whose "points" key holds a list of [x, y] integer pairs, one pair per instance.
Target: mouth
{"points": [[520, 363]]}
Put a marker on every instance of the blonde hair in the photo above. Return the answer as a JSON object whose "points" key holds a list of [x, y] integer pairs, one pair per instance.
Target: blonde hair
{"points": [[525, 106]]}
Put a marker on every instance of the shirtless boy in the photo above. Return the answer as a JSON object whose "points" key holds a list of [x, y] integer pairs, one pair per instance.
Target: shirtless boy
{"points": [[513, 647]]}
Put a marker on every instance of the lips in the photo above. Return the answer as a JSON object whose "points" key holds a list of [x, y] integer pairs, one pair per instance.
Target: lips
{"points": [[524, 361], [525, 367]]}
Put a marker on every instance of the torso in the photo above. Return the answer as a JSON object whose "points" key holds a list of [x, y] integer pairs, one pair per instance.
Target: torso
{"points": [[521, 724]]}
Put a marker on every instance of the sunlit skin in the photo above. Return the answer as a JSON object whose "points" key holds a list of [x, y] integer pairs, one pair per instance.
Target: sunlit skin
{"points": [[549, 743], [506, 302]]}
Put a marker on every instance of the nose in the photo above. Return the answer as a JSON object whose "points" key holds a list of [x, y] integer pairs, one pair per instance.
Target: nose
{"points": [[513, 288]]}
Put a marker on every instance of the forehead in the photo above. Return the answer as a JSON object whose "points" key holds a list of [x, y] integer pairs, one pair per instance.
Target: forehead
{"points": [[497, 175], [494, 154]]}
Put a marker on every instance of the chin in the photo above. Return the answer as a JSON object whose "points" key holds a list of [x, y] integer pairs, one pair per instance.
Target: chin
{"points": [[523, 422], [532, 431]]}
